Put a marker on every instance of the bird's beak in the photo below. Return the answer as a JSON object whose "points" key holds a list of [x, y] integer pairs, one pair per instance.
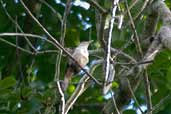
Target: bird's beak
{"points": [[91, 41]]}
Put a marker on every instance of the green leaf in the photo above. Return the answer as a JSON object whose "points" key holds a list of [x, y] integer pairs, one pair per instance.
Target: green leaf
{"points": [[7, 82], [71, 89], [26, 92], [100, 98], [115, 85]]}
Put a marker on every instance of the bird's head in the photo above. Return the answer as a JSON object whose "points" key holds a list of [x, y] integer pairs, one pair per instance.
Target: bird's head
{"points": [[85, 43]]}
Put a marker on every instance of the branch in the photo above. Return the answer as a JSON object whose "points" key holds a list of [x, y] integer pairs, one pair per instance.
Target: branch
{"points": [[52, 9], [64, 20], [62, 109], [28, 51], [135, 99], [108, 50], [14, 45], [148, 92], [142, 9], [114, 103], [161, 102], [97, 6], [28, 35], [120, 52], [137, 39]]}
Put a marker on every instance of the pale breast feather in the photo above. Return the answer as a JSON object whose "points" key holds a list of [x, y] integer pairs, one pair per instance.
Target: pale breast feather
{"points": [[82, 60]]}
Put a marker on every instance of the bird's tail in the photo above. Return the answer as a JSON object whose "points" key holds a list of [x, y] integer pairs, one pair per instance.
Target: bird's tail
{"points": [[67, 78]]}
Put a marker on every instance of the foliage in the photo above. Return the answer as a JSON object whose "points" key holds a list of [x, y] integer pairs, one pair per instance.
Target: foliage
{"points": [[27, 84]]}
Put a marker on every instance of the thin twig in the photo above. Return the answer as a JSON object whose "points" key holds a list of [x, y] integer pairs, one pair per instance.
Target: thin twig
{"points": [[18, 56], [137, 63], [161, 102], [119, 51], [28, 51], [132, 4], [137, 39], [97, 6], [142, 9], [148, 92], [14, 45], [64, 20], [113, 50], [114, 102], [52, 9], [46, 51], [28, 35], [132, 92]]}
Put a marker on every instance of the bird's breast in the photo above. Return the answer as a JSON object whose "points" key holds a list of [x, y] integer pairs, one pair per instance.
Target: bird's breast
{"points": [[81, 56]]}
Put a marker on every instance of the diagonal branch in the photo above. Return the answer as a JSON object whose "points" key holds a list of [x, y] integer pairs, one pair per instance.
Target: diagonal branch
{"points": [[136, 38], [148, 92], [142, 9], [14, 45], [97, 6], [52, 9], [133, 95], [28, 35]]}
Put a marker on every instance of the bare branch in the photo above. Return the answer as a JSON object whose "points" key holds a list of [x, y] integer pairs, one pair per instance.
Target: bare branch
{"points": [[132, 92], [108, 50], [142, 9], [115, 105], [28, 35], [148, 92], [158, 105], [97, 6], [62, 106], [137, 39], [52, 9]]}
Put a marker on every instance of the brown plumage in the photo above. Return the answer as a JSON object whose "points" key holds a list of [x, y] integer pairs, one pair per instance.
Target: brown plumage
{"points": [[81, 55]]}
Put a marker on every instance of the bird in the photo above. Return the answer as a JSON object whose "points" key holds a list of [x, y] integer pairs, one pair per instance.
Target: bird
{"points": [[81, 55]]}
